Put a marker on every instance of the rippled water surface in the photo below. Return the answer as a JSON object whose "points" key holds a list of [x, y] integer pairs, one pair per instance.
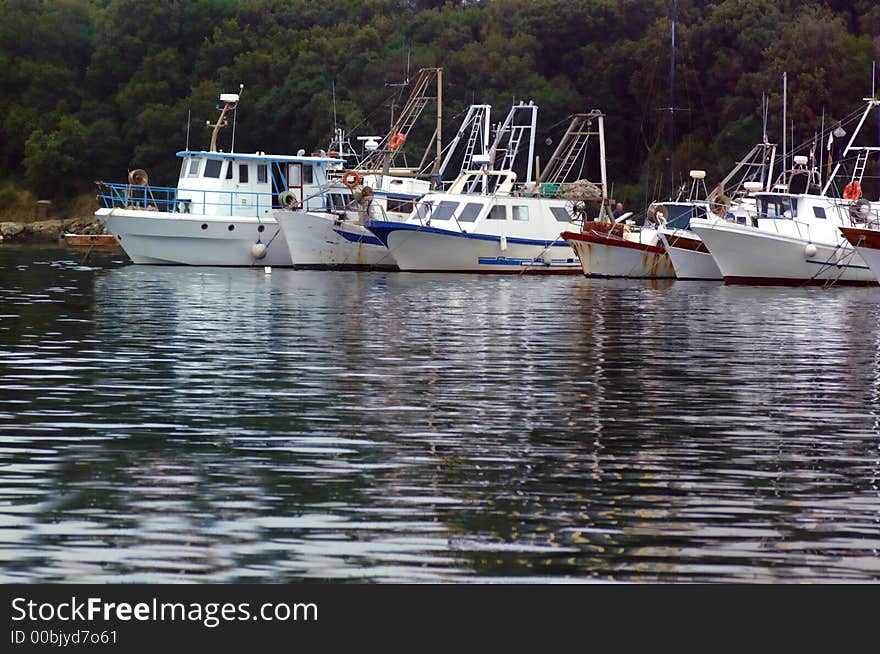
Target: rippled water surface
{"points": [[208, 424]]}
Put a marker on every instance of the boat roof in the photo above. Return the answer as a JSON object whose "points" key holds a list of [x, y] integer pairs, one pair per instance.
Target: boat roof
{"points": [[262, 156]]}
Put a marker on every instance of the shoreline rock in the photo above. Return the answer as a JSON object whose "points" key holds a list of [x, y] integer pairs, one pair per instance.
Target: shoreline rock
{"points": [[48, 231]]}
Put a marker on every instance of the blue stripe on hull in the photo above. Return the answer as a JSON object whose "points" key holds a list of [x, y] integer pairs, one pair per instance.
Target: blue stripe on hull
{"points": [[358, 238], [503, 261], [383, 229], [831, 264]]}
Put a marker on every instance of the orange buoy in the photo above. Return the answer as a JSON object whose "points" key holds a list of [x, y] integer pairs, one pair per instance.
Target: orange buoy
{"points": [[351, 179], [853, 191], [397, 140]]}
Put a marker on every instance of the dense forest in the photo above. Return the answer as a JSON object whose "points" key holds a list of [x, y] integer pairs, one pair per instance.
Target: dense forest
{"points": [[92, 88]]}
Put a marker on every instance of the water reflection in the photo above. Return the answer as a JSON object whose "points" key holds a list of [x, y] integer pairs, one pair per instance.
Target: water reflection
{"points": [[169, 424]]}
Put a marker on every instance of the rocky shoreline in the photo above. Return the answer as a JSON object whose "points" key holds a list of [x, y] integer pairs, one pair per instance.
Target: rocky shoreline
{"points": [[48, 231]]}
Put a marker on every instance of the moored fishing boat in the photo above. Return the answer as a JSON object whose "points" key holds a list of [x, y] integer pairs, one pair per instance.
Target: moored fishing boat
{"points": [[330, 233], [501, 232], [782, 252], [796, 237], [485, 222], [221, 211], [690, 257], [617, 247], [333, 234], [620, 250]]}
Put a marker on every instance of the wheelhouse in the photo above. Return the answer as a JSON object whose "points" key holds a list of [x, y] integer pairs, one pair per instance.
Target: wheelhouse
{"points": [[463, 211], [781, 206], [217, 183], [229, 184]]}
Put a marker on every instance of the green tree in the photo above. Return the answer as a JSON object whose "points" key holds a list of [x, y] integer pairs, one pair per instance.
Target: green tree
{"points": [[53, 160]]}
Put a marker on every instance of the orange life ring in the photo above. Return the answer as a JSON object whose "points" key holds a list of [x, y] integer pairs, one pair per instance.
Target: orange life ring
{"points": [[853, 191], [351, 179], [397, 140]]}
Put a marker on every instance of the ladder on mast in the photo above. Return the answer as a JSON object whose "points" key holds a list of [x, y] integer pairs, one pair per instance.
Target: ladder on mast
{"points": [[514, 131], [861, 164], [477, 119], [572, 147], [383, 157]]}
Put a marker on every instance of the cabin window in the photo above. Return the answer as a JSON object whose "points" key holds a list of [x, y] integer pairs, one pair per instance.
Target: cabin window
{"points": [[520, 212], [770, 208], [262, 174], [294, 175], [560, 214], [470, 212], [212, 168], [194, 167], [308, 176], [778, 207], [819, 212], [336, 201], [498, 212], [784, 208], [183, 168], [242, 173], [444, 210], [229, 170], [400, 205]]}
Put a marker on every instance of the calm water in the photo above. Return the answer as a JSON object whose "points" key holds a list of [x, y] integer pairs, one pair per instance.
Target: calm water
{"points": [[184, 424]]}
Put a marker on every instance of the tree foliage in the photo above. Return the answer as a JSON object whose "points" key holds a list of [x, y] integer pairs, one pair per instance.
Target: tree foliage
{"points": [[95, 87]]}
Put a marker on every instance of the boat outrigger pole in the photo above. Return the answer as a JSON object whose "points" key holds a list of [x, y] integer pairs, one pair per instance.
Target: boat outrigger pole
{"points": [[671, 107], [229, 101], [382, 158]]}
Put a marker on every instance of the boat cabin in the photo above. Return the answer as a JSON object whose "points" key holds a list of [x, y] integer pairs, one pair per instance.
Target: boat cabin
{"points": [[237, 184], [795, 215], [529, 217]]}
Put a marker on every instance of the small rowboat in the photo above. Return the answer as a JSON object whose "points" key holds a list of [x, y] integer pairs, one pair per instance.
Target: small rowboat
{"points": [[91, 240]]}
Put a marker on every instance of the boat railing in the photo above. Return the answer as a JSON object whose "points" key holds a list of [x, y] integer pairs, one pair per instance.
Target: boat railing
{"points": [[858, 213], [188, 201]]}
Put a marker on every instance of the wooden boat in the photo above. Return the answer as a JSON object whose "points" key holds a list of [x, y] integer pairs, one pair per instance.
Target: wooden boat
{"points": [[91, 240]]}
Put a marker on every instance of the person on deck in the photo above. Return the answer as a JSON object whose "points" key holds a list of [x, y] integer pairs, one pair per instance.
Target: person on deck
{"points": [[618, 210]]}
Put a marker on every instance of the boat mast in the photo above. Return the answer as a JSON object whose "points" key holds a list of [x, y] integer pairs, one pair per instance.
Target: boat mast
{"points": [[229, 101], [870, 103], [439, 121], [671, 106], [382, 158], [234, 116], [784, 119], [821, 145]]}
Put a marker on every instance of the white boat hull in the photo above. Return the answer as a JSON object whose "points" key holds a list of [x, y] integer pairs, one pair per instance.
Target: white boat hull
{"points": [[151, 237], [690, 258], [323, 241], [871, 258], [600, 258], [433, 250], [748, 255]]}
